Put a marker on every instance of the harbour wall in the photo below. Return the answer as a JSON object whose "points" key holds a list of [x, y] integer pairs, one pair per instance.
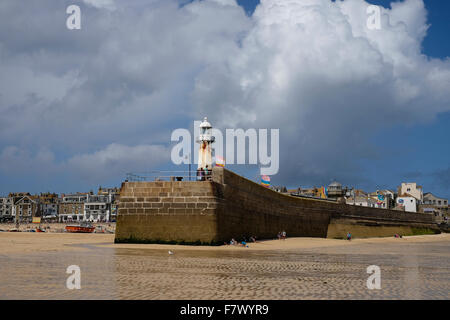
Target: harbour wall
{"points": [[231, 206]]}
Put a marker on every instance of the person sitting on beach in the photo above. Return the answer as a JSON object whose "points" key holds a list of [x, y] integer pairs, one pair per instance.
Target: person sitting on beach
{"points": [[283, 235], [349, 236], [279, 235]]}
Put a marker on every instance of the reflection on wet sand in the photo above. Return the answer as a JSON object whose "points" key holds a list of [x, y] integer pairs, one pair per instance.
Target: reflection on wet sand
{"points": [[409, 270]]}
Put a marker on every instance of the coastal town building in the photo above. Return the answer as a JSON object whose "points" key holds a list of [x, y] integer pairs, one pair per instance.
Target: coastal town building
{"points": [[335, 190], [25, 207], [307, 192], [363, 201], [113, 201], [6, 209], [114, 192], [318, 193], [97, 208], [48, 205], [407, 203], [384, 199], [411, 189], [434, 205], [71, 207], [359, 193], [431, 199], [114, 210]]}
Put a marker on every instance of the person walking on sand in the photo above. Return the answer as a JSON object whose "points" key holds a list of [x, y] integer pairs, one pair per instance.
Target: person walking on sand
{"points": [[283, 235], [349, 236]]}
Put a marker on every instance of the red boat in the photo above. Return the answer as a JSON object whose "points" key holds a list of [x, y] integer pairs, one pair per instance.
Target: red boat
{"points": [[81, 228]]}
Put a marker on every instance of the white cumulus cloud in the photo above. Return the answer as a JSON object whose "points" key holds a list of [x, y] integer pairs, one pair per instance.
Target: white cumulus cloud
{"points": [[117, 159], [134, 73]]}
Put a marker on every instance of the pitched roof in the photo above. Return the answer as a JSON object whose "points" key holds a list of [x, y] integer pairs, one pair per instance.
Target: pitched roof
{"points": [[407, 195]]}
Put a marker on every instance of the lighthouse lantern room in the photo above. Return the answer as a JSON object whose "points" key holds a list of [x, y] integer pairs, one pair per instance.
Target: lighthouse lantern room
{"points": [[205, 139]]}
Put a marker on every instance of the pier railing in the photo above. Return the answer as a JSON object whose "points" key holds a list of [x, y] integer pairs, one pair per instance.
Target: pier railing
{"points": [[166, 175]]}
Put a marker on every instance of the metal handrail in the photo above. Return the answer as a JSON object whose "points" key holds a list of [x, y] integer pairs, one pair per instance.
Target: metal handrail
{"points": [[163, 174]]}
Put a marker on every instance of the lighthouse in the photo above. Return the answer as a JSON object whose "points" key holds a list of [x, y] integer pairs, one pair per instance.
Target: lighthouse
{"points": [[205, 139]]}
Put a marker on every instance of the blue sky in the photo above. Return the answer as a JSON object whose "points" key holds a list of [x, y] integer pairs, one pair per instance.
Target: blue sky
{"points": [[102, 101]]}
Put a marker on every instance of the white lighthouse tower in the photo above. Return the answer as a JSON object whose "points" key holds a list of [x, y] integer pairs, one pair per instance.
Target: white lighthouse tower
{"points": [[205, 139]]}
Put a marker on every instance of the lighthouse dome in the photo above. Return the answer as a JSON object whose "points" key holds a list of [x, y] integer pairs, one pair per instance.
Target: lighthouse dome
{"points": [[205, 123]]}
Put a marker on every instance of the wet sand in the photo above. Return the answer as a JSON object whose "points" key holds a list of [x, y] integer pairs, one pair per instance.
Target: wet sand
{"points": [[34, 267]]}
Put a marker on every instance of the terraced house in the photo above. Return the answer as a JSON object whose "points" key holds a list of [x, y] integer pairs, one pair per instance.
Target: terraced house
{"points": [[6, 209], [25, 207], [71, 207]]}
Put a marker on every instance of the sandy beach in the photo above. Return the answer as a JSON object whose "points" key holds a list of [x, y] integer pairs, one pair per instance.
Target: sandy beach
{"points": [[27, 242], [34, 267]]}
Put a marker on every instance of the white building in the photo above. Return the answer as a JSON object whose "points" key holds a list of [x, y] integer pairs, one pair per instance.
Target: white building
{"points": [[97, 208], [88, 206], [408, 203]]}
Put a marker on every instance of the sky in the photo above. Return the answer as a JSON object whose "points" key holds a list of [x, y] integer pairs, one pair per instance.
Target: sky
{"points": [[81, 108]]}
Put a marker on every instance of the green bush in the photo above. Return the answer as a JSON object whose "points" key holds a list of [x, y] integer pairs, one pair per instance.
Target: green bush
{"points": [[423, 231]]}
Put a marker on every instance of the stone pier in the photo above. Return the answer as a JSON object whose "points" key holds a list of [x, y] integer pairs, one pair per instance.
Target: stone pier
{"points": [[231, 206]]}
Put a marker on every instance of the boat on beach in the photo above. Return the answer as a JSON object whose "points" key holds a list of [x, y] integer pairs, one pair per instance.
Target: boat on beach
{"points": [[83, 227]]}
